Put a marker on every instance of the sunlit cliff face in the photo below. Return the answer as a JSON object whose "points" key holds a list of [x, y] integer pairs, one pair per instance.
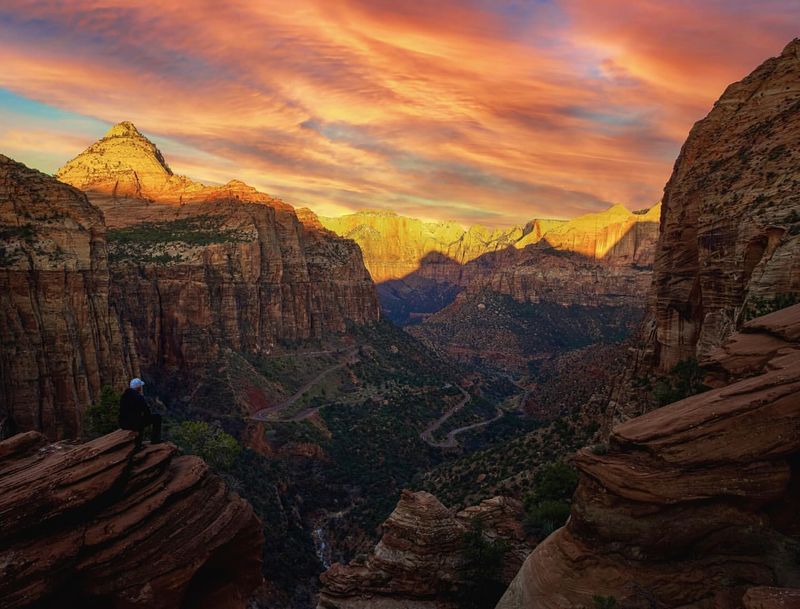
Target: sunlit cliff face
{"points": [[474, 111], [395, 246]]}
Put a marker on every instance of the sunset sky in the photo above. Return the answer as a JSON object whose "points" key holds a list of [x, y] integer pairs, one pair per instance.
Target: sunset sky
{"points": [[471, 110]]}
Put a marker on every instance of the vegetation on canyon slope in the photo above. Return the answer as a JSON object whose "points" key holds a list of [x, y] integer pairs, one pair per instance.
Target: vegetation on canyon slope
{"points": [[159, 242]]}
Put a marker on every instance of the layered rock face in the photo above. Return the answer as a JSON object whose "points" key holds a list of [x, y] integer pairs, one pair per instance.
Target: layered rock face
{"points": [[101, 524], [419, 560], [694, 504], [594, 260], [615, 236], [580, 283], [396, 246], [60, 338], [730, 240], [492, 329], [197, 270], [600, 259]]}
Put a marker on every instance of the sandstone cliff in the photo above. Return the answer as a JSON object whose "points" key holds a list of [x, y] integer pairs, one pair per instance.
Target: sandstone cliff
{"points": [[691, 504], [419, 561], [397, 246], [198, 271], [100, 524], [595, 260], [580, 283], [730, 233], [60, 338]]}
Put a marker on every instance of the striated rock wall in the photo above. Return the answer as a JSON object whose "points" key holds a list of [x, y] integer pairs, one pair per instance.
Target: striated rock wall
{"points": [[419, 561], [730, 232], [396, 247], [263, 279], [197, 270], [600, 259], [59, 337], [101, 524], [164, 277], [692, 504]]}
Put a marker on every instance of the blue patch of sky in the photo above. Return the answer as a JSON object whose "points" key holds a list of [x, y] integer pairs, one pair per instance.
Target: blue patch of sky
{"points": [[352, 135], [12, 103], [623, 119]]}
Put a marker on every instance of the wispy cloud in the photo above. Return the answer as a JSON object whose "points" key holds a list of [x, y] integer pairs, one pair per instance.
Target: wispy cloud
{"points": [[478, 110]]}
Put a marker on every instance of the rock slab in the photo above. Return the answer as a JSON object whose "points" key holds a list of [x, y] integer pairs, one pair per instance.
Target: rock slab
{"points": [[101, 524]]}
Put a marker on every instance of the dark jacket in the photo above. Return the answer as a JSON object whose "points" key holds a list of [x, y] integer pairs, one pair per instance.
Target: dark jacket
{"points": [[134, 413]]}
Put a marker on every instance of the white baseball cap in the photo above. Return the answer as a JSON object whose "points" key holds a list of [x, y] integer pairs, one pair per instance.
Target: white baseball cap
{"points": [[136, 383]]}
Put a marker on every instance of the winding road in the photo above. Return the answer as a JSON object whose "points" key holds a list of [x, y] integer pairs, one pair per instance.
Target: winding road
{"points": [[273, 412], [450, 440]]}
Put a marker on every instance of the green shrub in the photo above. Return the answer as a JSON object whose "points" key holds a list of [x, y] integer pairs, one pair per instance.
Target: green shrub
{"points": [[604, 602], [546, 516], [547, 506], [482, 570], [103, 417], [756, 307], [684, 380], [146, 242], [209, 442]]}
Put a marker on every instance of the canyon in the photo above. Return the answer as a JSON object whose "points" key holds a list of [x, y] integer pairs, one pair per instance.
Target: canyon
{"points": [[692, 504], [509, 298], [263, 323], [601, 258], [689, 504]]}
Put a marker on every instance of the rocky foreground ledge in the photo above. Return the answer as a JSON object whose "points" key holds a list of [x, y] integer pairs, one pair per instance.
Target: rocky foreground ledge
{"points": [[692, 505], [100, 524]]}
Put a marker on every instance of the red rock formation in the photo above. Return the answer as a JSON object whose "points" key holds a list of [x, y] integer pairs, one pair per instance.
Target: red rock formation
{"points": [[126, 164], [99, 524], [595, 260], [60, 341], [397, 246], [419, 560], [730, 233], [693, 503], [198, 270]]}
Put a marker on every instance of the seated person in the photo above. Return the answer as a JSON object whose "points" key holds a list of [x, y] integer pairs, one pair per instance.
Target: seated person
{"points": [[134, 413]]}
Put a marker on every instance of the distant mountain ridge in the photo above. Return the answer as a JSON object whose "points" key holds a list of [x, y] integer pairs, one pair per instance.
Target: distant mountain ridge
{"points": [[395, 246], [420, 267]]}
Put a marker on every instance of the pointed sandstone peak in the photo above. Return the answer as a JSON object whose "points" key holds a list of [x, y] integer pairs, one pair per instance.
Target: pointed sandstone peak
{"points": [[122, 164], [125, 164]]}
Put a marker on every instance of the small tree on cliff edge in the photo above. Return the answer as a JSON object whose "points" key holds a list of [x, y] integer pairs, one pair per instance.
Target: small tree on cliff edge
{"points": [[483, 568], [216, 447], [103, 417], [547, 506]]}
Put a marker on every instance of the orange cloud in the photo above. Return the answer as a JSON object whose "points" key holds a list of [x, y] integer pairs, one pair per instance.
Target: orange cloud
{"points": [[471, 110]]}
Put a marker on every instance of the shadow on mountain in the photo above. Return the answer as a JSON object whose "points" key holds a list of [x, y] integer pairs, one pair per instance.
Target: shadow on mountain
{"points": [[612, 278]]}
